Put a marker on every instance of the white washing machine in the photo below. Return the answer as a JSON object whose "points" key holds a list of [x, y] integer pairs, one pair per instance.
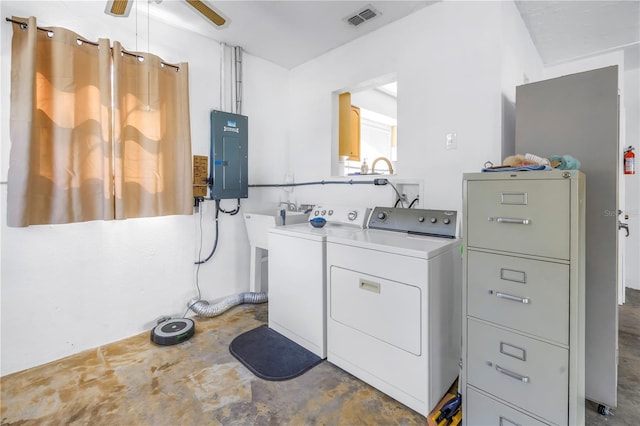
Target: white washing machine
{"points": [[297, 274], [394, 304]]}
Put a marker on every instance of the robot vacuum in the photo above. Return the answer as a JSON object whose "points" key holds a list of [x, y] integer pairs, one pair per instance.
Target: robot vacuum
{"points": [[173, 331]]}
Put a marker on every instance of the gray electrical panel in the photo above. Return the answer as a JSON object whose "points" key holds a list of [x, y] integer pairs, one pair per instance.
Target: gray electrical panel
{"points": [[229, 159]]}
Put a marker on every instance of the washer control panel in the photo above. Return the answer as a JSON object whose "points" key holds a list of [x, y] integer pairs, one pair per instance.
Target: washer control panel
{"points": [[439, 223], [341, 215]]}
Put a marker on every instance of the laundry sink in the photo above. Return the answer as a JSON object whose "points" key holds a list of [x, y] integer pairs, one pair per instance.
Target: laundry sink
{"points": [[258, 224]]}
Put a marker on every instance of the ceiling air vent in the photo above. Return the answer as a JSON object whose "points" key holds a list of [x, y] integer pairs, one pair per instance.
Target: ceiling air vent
{"points": [[362, 16]]}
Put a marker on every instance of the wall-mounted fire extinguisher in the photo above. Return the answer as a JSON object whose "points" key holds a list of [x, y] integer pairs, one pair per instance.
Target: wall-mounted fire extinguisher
{"points": [[629, 161]]}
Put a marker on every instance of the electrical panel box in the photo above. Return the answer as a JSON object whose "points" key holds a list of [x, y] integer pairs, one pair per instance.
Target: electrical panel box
{"points": [[229, 159]]}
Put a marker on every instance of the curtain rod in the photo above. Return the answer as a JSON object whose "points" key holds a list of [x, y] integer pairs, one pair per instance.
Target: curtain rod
{"points": [[25, 25]]}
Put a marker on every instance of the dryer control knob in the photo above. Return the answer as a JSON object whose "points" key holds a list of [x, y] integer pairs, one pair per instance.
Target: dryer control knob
{"points": [[352, 215], [421, 219], [323, 212], [330, 212], [434, 220], [446, 221], [382, 215]]}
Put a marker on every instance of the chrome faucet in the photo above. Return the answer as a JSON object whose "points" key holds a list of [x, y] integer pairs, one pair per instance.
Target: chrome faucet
{"points": [[305, 208], [290, 206], [386, 160]]}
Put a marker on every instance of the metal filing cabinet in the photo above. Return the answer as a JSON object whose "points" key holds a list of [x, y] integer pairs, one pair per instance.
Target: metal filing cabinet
{"points": [[523, 298]]}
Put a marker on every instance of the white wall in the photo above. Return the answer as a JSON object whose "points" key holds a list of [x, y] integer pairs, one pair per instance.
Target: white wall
{"points": [[527, 66], [629, 82], [67, 288], [449, 59], [632, 182]]}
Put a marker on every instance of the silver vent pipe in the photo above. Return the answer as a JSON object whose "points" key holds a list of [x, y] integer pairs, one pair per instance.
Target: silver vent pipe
{"points": [[205, 309]]}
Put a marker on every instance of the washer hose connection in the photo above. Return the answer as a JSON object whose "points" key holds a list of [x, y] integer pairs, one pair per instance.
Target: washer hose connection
{"points": [[205, 309]]}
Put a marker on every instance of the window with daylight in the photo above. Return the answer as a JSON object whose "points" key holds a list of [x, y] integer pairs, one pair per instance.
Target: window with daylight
{"points": [[97, 133]]}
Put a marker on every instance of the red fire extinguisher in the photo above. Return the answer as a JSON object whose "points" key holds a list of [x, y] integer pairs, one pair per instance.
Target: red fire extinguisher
{"points": [[629, 161]]}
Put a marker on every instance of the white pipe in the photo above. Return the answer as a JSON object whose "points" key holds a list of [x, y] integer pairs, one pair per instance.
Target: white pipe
{"points": [[232, 79], [238, 79], [222, 55], [204, 309]]}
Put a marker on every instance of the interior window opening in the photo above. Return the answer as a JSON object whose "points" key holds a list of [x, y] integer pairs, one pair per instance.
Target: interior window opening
{"points": [[367, 134]]}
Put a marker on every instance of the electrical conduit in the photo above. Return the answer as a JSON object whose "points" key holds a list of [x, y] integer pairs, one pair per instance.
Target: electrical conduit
{"points": [[202, 307]]}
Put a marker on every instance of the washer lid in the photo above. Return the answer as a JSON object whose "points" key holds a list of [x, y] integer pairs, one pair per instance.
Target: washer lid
{"points": [[305, 230], [402, 243], [300, 230]]}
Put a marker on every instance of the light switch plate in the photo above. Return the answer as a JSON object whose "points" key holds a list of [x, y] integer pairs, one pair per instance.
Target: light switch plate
{"points": [[451, 141]]}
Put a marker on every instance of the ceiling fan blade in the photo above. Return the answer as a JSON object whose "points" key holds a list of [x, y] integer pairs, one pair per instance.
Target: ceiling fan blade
{"points": [[207, 12], [118, 7]]}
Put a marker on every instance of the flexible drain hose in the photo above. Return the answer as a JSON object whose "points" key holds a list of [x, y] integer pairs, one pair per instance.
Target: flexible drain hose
{"points": [[204, 309]]}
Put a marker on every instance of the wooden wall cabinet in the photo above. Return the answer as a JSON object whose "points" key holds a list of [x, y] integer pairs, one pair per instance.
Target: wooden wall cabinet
{"points": [[349, 128]]}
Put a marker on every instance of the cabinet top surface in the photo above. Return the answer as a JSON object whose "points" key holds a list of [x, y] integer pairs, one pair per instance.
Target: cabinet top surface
{"points": [[531, 175]]}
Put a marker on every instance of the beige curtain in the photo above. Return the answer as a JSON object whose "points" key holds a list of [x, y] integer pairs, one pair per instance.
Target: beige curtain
{"points": [[60, 167], [152, 137]]}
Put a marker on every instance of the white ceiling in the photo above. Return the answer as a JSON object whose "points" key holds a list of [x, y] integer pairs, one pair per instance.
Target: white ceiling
{"points": [[287, 33], [292, 32], [566, 30]]}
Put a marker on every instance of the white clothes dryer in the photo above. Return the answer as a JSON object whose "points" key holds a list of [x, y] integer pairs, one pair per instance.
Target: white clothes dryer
{"points": [[394, 304], [297, 274]]}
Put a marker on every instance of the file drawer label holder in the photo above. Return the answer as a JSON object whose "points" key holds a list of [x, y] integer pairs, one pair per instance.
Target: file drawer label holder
{"points": [[513, 351], [513, 275], [513, 198], [506, 422]]}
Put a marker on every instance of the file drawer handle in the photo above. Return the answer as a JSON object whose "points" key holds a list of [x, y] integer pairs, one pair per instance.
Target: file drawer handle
{"points": [[515, 220], [505, 296], [523, 379]]}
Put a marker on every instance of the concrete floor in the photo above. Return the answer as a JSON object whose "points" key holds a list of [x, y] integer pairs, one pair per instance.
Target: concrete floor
{"points": [[134, 382]]}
